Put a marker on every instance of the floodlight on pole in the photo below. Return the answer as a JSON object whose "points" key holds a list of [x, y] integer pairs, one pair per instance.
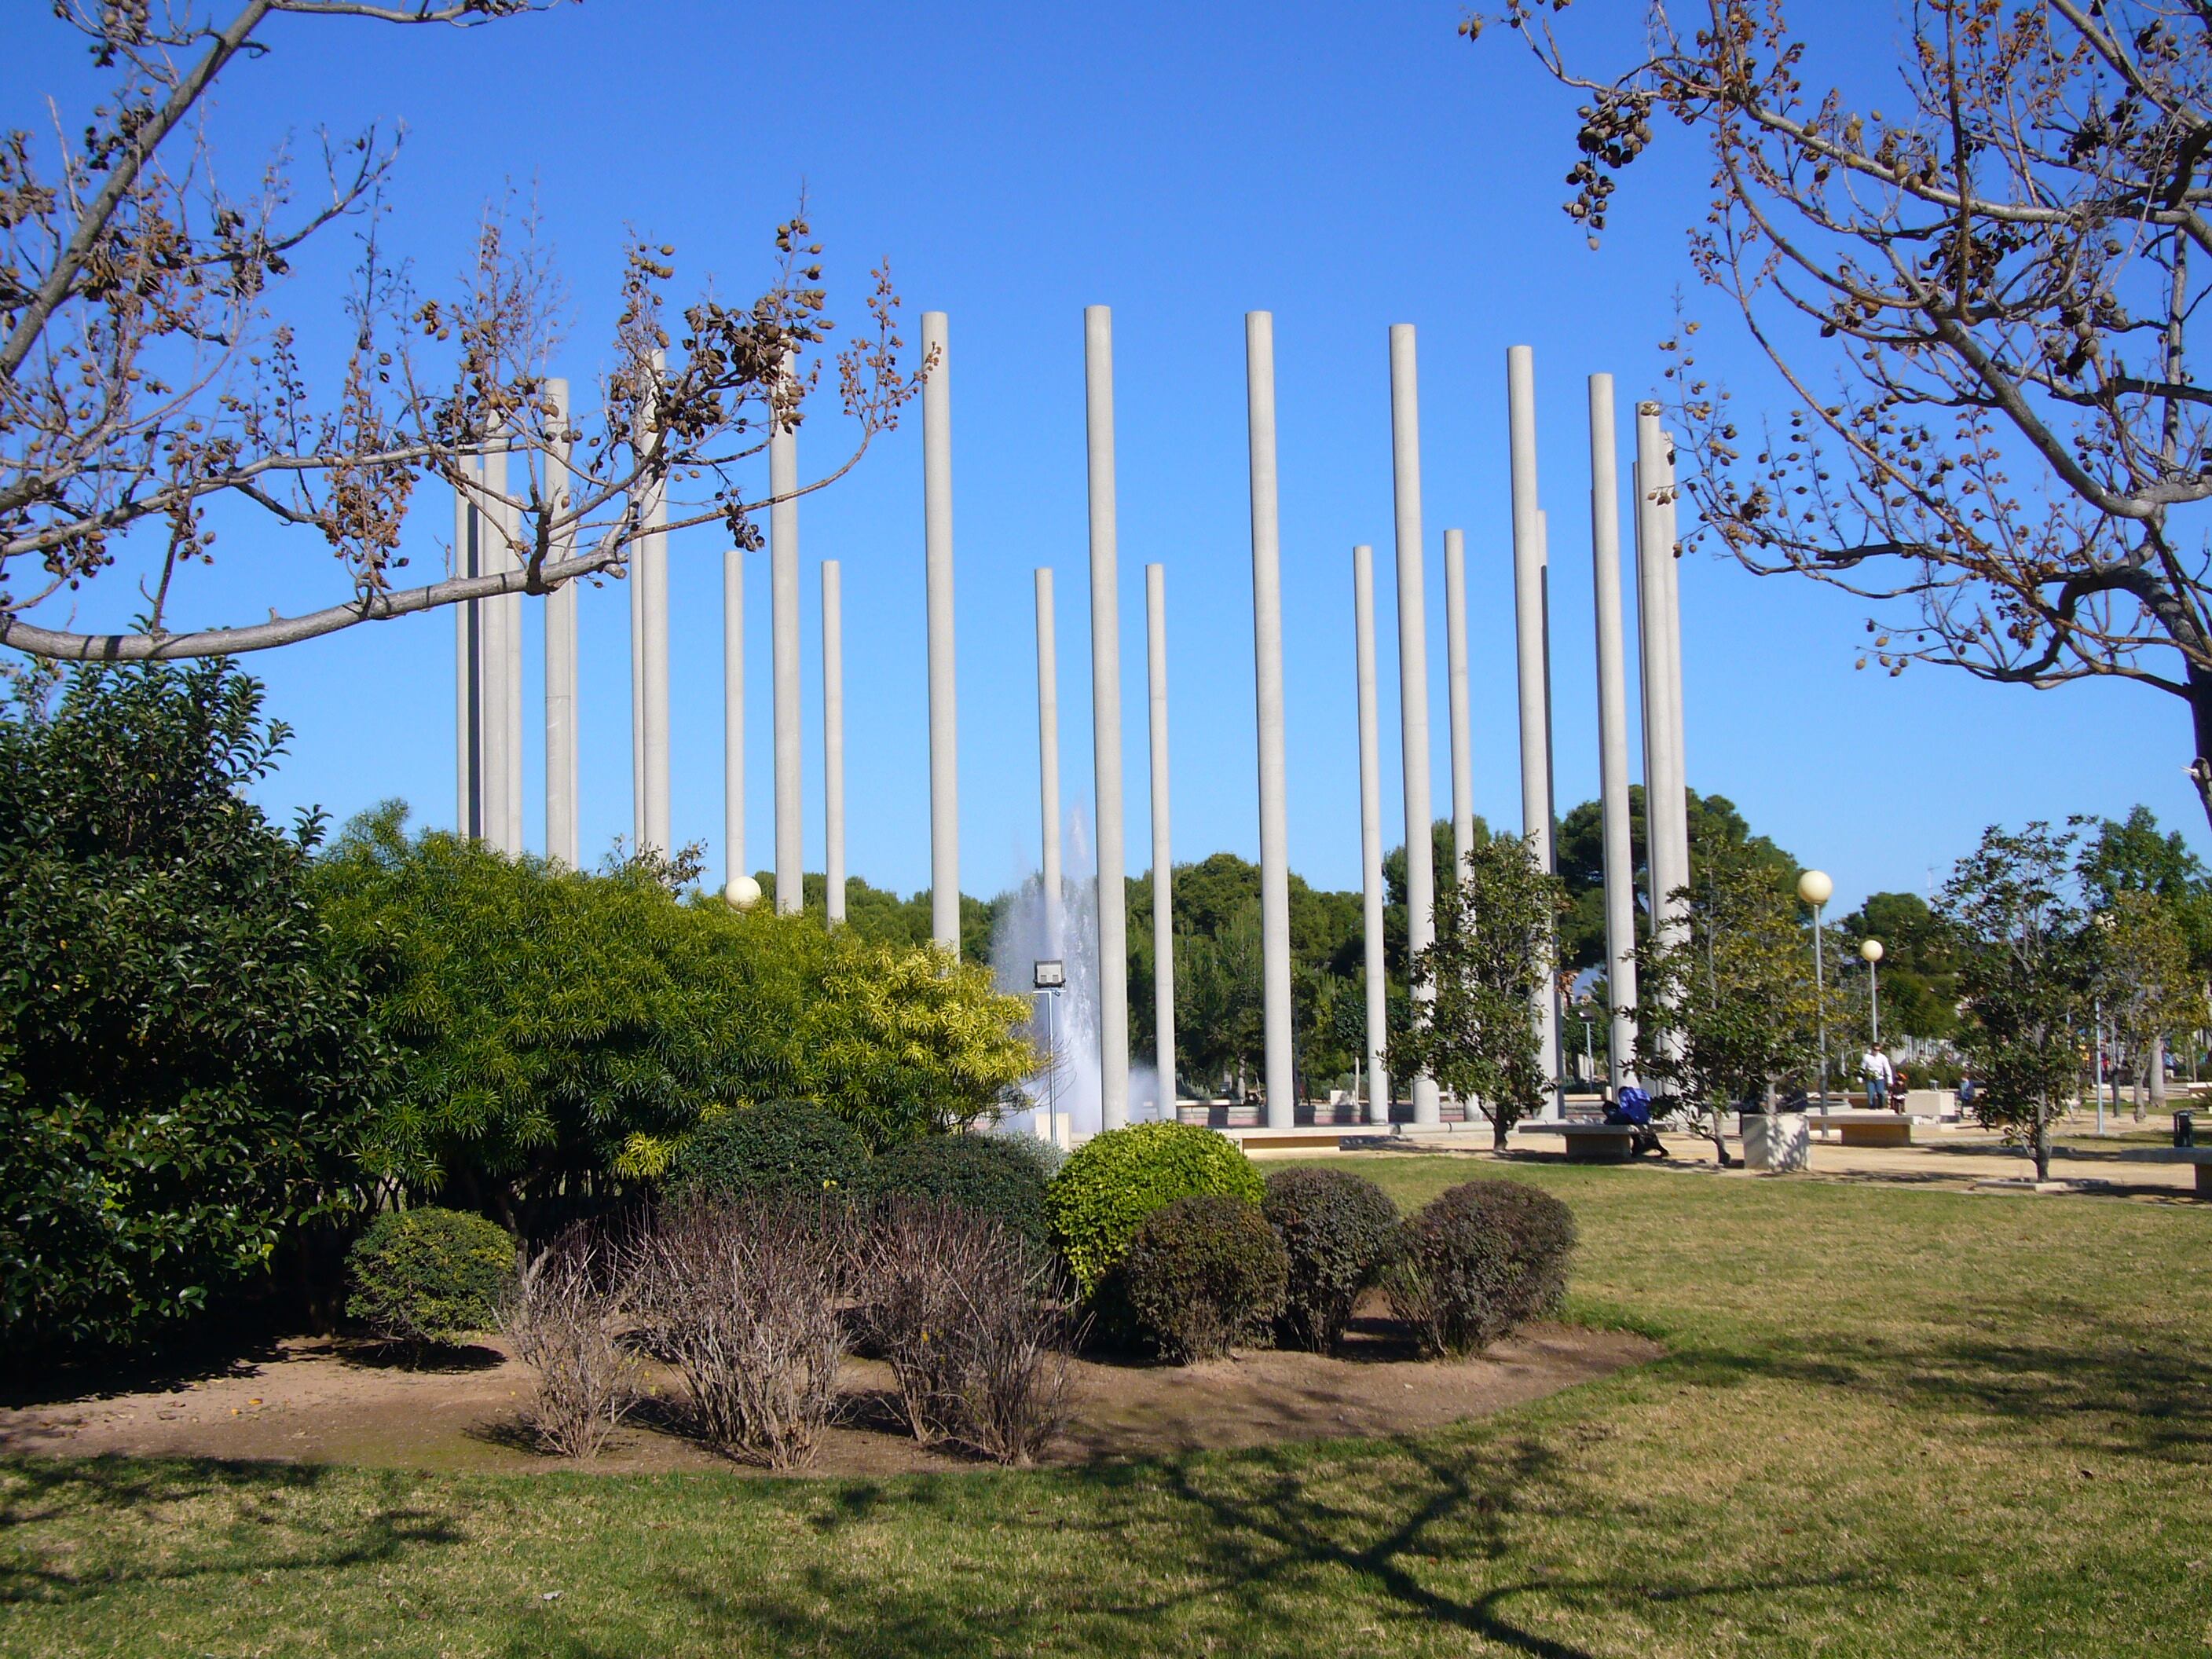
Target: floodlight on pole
{"points": [[1816, 888], [1048, 976]]}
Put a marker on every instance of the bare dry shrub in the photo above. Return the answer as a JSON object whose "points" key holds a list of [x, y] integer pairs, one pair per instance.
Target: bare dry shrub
{"points": [[564, 1315], [744, 1299], [970, 1318]]}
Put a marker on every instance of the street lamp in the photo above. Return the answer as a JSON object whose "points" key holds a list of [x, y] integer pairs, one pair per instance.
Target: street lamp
{"points": [[1815, 889], [743, 893], [1871, 950]]}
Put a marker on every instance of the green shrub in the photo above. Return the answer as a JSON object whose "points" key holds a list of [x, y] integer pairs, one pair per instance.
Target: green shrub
{"points": [[1477, 1261], [991, 1175], [788, 1149], [1114, 1181], [1201, 1274], [428, 1275], [185, 1062], [1336, 1228]]}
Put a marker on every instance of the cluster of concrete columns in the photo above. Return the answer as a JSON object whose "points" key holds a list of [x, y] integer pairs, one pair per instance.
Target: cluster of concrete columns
{"points": [[489, 658]]}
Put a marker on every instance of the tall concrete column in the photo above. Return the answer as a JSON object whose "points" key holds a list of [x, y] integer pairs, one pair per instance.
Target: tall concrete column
{"points": [[1048, 656], [658, 833], [495, 554], [1678, 777], [562, 830], [1370, 834], [944, 724], [1106, 721], [1156, 664], [1462, 733], [1267, 663], [510, 672], [1612, 733], [1666, 825], [468, 684], [733, 712], [783, 664], [1533, 653], [833, 739], [1412, 673]]}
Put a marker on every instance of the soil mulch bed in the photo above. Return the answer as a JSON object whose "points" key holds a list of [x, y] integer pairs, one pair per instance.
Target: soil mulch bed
{"points": [[335, 1401]]}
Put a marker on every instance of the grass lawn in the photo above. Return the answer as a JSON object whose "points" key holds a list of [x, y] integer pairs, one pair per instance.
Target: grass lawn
{"points": [[1891, 1422]]}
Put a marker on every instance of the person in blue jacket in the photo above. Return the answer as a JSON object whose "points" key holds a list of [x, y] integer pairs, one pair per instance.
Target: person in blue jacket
{"points": [[1633, 1108]]}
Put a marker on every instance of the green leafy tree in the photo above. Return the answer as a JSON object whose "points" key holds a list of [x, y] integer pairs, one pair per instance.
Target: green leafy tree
{"points": [[1919, 979], [2132, 856], [1719, 836], [557, 1033], [182, 1060], [1474, 1031], [2144, 981], [2026, 967], [1729, 1008]]}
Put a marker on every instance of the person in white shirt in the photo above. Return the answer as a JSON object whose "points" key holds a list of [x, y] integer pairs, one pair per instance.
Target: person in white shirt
{"points": [[1877, 1073]]}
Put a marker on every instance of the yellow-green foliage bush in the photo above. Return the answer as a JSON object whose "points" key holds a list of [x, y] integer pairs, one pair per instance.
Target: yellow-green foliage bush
{"points": [[1114, 1181]]}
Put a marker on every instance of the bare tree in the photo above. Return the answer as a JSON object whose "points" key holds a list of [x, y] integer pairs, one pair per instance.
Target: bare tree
{"points": [[1980, 298], [145, 380]]}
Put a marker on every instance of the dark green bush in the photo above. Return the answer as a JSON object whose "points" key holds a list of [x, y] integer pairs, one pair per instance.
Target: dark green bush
{"points": [[787, 1149], [995, 1176], [185, 1062], [1202, 1274], [428, 1275], [1114, 1181], [1477, 1261], [1336, 1228]]}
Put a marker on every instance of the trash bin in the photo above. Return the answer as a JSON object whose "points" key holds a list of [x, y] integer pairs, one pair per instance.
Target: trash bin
{"points": [[2185, 1129]]}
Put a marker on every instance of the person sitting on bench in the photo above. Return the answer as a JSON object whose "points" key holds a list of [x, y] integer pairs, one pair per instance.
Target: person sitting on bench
{"points": [[1633, 1108]]}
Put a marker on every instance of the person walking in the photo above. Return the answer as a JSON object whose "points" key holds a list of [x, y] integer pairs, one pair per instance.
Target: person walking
{"points": [[1876, 1072]]}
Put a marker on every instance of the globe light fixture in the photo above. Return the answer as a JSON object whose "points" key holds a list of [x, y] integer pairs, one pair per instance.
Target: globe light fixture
{"points": [[1814, 888], [1871, 950], [743, 893]]}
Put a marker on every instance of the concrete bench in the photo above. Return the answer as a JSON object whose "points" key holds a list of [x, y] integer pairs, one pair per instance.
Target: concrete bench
{"points": [[1860, 1128], [2200, 1156], [1589, 1143]]}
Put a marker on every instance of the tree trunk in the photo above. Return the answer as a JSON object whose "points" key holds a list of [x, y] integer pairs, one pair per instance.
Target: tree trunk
{"points": [[1500, 1123], [2040, 1144], [2158, 1075], [2200, 720], [2135, 1081]]}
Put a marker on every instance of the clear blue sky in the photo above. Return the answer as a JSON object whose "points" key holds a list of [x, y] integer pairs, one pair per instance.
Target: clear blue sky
{"points": [[1345, 169]]}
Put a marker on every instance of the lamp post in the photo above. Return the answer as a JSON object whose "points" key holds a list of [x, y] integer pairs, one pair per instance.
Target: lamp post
{"points": [[1814, 888], [1871, 950], [1049, 977]]}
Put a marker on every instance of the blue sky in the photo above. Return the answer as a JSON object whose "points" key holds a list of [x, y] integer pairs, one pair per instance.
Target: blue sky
{"points": [[1345, 169]]}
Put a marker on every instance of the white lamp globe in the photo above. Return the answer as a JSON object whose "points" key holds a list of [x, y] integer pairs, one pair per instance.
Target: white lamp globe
{"points": [[1871, 950], [1814, 887], [743, 893]]}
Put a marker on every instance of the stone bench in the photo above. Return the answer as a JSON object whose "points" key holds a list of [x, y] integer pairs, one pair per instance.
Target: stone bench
{"points": [[1861, 1128], [2200, 1156], [1589, 1143]]}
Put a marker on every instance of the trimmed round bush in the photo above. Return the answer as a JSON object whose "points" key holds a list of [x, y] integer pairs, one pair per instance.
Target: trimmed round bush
{"points": [[992, 1174], [430, 1276], [1477, 1261], [1336, 1228], [787, 1149], [1202, 1274], [1112, 1182]]}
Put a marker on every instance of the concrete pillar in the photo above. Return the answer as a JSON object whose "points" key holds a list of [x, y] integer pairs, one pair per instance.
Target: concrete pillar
{"points": [[1281, 1074], [1462, 733], [496, 556], [1047, 657], [1666, 825], [944, 724], [733, 712], [468, 684], [658, 833], [1106, 721], [1612, 732], [510, 672], [833, 739], [783, 664], [562, 831], [1156, 664], [1370, 834], [1678, 778], [1533, 654], [1412, 672]]}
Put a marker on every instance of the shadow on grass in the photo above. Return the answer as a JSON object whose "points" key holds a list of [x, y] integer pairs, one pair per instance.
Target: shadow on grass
{"points": [[1254, 1552], [45, 1490]]}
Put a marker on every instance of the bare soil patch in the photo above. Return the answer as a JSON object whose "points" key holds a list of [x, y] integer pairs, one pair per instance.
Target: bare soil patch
{"points": [[335, 1401]]}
